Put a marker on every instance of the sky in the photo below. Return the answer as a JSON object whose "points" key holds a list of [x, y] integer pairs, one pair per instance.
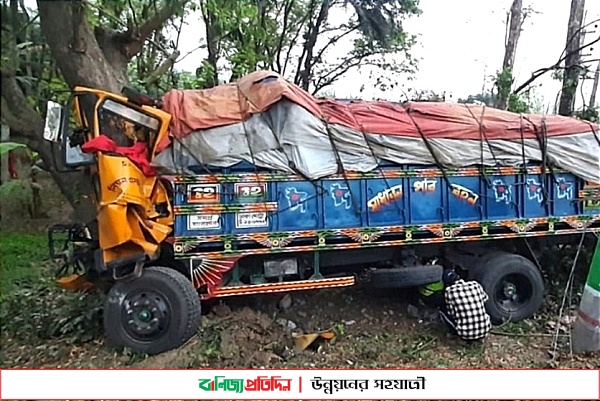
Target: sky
{"points": [[460, 43]]}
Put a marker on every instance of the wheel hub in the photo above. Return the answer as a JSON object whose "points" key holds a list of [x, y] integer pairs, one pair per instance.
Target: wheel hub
{"points": [[510, 291], [145, 315], [513, 292]]}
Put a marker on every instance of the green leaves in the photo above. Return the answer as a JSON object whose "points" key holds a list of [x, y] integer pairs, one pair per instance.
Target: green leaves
{"points": [[297, 38], [6, 147]]}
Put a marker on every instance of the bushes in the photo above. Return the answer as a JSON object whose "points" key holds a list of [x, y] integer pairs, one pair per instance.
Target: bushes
{"points": [[42, 311]]}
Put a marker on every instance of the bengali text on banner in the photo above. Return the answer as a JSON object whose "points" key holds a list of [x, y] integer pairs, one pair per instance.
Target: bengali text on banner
{"points": [[289, 384]]}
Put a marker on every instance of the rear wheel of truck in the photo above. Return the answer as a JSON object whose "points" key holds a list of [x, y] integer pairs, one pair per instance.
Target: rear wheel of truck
{"points": [[154, 313], [514, 285]]}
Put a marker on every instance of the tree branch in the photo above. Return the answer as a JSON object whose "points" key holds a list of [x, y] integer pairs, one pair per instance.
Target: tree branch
{"points": [[17, 113], [77, 50], [327, 79], [292, 44], [564, 55], [287, 9], [304, 72], [137, 37], [333, 41]]}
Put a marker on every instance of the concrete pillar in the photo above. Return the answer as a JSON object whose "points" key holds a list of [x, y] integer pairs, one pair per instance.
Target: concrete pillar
{"points": [[585, 335]]}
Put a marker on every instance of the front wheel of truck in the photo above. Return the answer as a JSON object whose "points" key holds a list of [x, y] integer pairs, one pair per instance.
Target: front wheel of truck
{"points": [[151, 314]]}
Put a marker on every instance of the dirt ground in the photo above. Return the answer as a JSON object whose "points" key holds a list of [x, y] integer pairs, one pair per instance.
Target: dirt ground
{"points": [[373, 330]]}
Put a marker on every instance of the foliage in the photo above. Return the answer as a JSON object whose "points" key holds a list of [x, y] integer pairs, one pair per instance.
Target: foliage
{"points": [[557, 265], [41, 311], [515, 102], [6, 147], [296, 38], [15, 196], [589, 113], [518, 104], [24, 50], [21, 258], [503, 83], [33, 307]]}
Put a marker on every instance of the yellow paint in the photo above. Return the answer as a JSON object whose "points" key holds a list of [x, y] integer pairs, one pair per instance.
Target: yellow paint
{"points": [[128, 222], [75, 282]]}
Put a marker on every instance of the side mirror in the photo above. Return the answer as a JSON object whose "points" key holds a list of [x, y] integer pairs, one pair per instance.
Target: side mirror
{"points": [[53, 122]]}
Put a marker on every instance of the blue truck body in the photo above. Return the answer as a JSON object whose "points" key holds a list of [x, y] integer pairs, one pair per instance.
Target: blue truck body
{"points": [[415, 196]]}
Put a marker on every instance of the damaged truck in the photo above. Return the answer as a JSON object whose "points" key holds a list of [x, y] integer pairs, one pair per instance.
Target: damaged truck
{"points": [[257, 187]]}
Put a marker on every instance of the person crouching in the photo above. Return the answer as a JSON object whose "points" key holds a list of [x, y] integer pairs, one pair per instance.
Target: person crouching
{"points": [[464, 311]]}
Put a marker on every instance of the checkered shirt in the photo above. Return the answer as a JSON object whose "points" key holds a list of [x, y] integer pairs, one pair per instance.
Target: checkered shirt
{"points": [[465, 301]]}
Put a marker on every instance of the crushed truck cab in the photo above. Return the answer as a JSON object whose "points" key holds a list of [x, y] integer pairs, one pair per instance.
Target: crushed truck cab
{"points": [[257, 187]]}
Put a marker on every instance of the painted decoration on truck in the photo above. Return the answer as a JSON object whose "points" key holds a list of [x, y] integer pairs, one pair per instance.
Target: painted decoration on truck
{"points": [[534, 190], [296, 199], [251, 220], [385, 197], [250, 191], [341, 196], [426, 185], [464, 194], [388, 236], [204, 193], [204, 222], [564, 189], [502, 191]]}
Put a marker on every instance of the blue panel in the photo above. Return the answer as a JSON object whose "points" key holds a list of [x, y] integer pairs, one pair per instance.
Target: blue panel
{"points": [[425, 197], [342, 203], [249, 193], [564, 191], [200, 195], [502, 197], [298, 206], [464, 199], [385, 202], [533, 196]]}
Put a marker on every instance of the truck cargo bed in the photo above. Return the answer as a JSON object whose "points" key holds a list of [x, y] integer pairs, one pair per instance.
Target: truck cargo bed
{"points": [[239, 207]]}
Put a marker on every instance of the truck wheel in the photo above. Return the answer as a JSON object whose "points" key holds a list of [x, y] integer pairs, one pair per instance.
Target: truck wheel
{"points": [[514, 285], [154, 313], [405, 277]]}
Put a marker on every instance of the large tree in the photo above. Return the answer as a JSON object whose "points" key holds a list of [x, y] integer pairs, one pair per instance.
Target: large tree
{"points": [[573, 60], [514, 25], [88, 50], [300, 38]]}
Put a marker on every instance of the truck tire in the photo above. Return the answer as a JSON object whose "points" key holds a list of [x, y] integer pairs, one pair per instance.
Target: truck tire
{"points": [[405, 277], [154, 313], [514, 285]]}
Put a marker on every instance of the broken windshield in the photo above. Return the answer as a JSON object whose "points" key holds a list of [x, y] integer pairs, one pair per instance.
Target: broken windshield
{"points": [[125, 125]]}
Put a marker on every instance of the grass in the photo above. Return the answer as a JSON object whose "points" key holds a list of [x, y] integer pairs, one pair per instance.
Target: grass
{"points": [[20, 258]]}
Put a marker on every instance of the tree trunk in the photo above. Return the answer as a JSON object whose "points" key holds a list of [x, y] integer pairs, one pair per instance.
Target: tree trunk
{"points": [[513, 26], [306, 61], [573, 59], [97, 59], [595, 87], [76, 50], [212, 42]]}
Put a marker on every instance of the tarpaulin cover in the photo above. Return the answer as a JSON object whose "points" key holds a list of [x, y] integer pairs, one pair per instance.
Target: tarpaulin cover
{"points": [[267, 121]]}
